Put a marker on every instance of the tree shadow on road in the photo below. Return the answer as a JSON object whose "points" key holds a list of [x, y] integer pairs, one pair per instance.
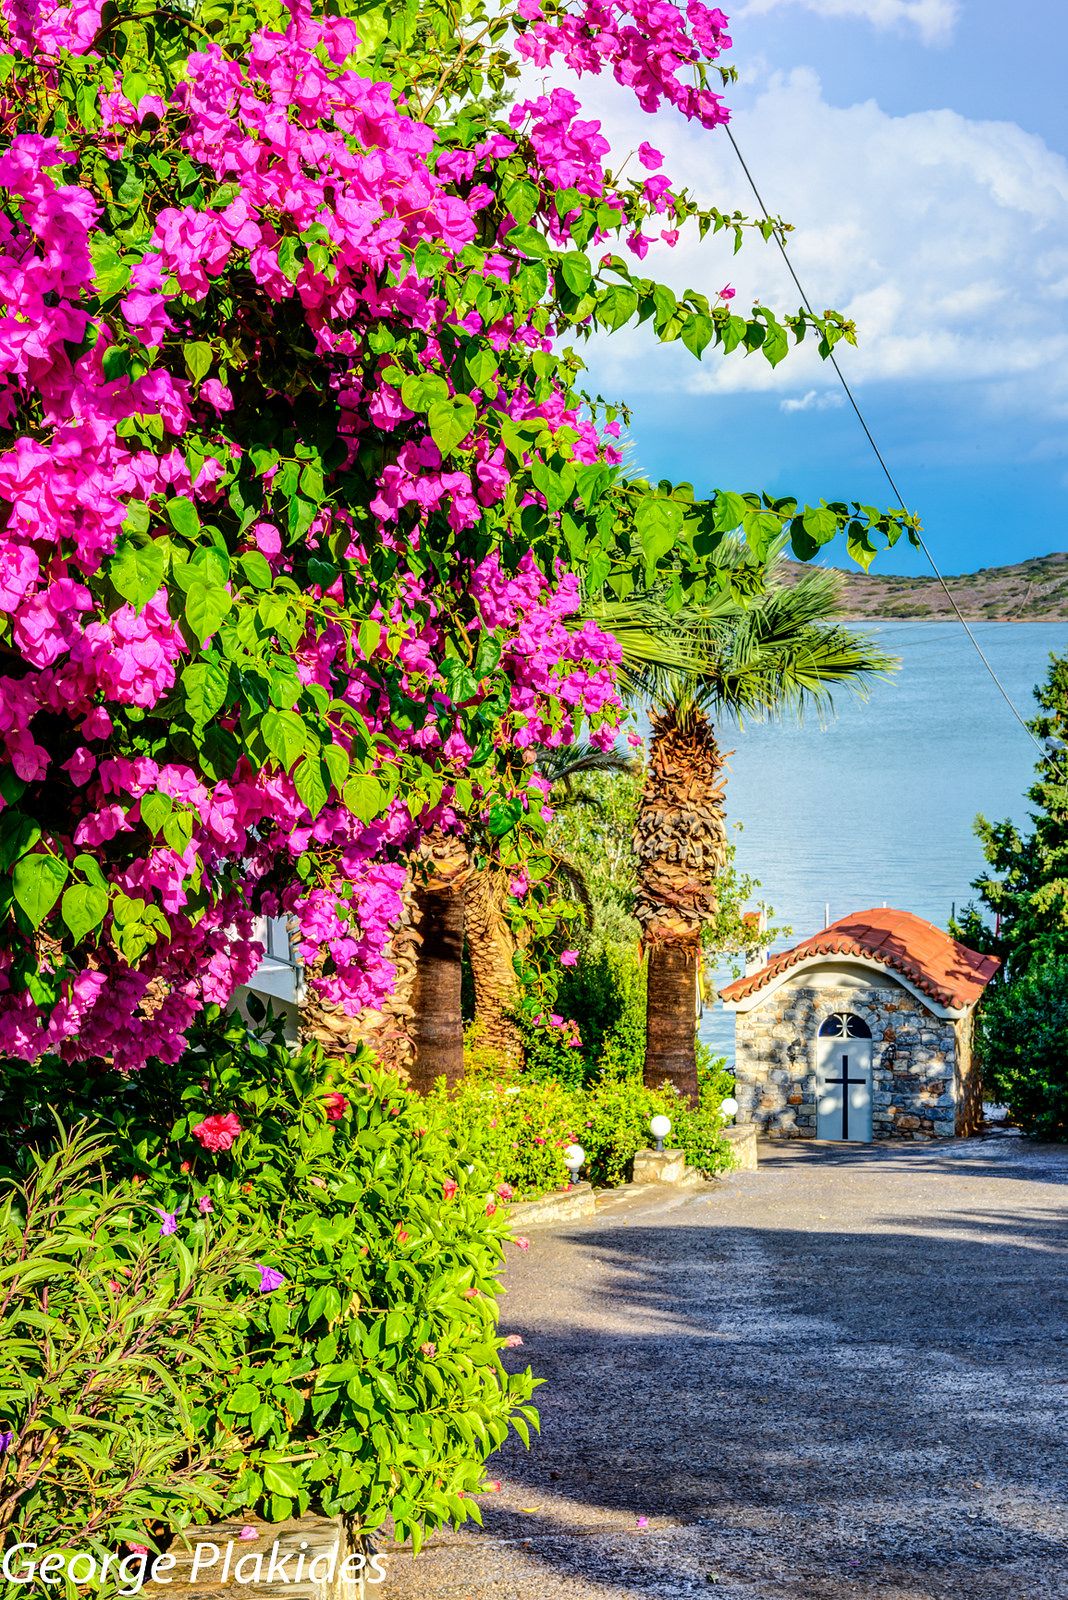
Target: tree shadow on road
{"points": [[880, 1412]]}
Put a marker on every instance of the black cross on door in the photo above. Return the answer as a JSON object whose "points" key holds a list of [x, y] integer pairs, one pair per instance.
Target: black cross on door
{"points": [[845, 1080]]}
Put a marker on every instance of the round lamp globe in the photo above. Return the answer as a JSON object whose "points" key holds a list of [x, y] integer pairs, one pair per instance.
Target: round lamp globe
{"points": [[574, 1156], [660, 1126], [729, 1107]]}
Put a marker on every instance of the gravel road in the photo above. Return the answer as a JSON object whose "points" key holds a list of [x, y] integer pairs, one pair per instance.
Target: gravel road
{"points": [[842, 1375]]}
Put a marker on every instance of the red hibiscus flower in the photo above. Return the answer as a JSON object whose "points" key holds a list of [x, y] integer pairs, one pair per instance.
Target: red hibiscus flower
{"points": [[217, 1132]]}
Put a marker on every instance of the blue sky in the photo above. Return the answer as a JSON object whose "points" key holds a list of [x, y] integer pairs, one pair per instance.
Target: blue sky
{"points": [[919, 147]]}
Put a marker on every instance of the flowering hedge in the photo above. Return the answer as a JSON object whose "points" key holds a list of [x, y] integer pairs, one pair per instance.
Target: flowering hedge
{"points": [[361, 1372], [521, 1122], [299, 494]]}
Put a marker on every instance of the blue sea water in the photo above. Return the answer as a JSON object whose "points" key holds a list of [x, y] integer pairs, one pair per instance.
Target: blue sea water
{"points": [[877, 806]]}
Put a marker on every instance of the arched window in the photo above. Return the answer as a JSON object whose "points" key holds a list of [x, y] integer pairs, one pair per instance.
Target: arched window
{"points": [[844, 1025]]}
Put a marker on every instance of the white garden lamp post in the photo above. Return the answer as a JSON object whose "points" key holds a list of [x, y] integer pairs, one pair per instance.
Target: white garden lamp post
{"points": [[660, 1127], [729, 1108], [574, 1156]]}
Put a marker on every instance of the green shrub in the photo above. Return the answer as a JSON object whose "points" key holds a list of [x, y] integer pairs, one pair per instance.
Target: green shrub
{"points": [[619, 1108], [699, 1129], [115, 1337], [1023, 1044], [605, 993], [579, 1021], [522, 1123], [519, 1123], [370, 1383]]}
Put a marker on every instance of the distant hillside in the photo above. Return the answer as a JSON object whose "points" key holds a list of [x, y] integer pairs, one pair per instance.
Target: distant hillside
{"points": [[1028, 591]]}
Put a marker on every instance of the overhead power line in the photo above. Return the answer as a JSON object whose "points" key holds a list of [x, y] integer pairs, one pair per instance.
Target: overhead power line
{"points": [[899, 497]]}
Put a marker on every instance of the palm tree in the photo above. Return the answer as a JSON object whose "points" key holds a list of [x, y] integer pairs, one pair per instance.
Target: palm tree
{"points": [[773, 653], [777, 653], [491, 941]]}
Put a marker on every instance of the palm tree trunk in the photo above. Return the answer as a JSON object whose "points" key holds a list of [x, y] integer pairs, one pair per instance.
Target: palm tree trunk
{"points": [[437, 1026], [491, 946], [681, 843], [670, 1017], [437, 1021]]}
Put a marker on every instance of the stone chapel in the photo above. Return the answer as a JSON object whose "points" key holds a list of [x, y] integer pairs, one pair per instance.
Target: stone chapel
{"points": [[862, 1032]]}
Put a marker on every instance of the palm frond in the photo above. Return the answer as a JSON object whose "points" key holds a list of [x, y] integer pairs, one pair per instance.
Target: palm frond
{"points": [[565, 870], [775, 651], [563, 764]]}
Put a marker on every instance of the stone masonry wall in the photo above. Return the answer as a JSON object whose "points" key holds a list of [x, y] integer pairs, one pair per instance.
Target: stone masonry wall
{"points": [[914, 1086]]}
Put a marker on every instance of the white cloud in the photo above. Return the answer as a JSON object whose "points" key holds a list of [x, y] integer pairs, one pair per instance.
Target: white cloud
{"points": [[944, 238], [813, 400], [933, 20]]}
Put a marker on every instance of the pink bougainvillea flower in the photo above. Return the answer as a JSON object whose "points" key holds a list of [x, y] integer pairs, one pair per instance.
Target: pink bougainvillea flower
{"points": [[138, 1549], [634, 740], [648, 156], [7, 1439], [726, 293], [519, 885], [505, 1191], [521, 1244], [248, 1532], [470, 1294], [168, 1222], [513, 1341], [490, 1208], [568, 958], [642, 1522], [335, 1106], [449, 1188], [270, 1278], [429, 1349], [218, 1131], [204, 1206]]}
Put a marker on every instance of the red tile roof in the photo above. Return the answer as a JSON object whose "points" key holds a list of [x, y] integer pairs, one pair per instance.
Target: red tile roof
{"points": [[937, 965]]}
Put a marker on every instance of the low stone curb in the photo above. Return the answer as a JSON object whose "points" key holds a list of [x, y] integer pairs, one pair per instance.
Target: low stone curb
{"points": [[742, 1139], [563, 1205], [306, 1558], [581, 1200]]}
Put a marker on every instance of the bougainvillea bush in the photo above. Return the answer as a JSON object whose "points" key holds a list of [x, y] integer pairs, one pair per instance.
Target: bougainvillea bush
{"points": [[299, 494], [368, 1378]]}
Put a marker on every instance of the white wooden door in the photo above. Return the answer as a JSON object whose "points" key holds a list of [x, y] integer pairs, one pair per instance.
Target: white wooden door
{"points": [[843, 1079]]}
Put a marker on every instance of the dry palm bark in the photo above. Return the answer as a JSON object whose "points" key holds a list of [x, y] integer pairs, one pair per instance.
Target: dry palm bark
{"points": [[419, 1031], [681, 843], [491, 945], [386, 1031]]}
